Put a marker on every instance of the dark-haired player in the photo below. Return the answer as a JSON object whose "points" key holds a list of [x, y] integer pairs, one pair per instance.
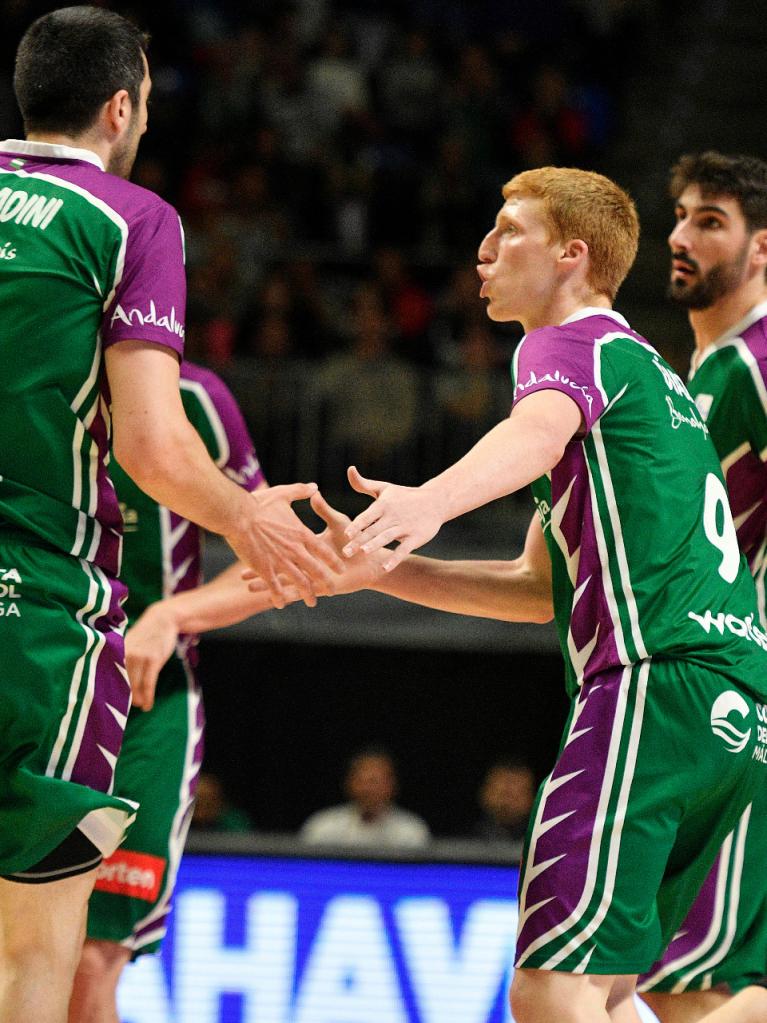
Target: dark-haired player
{"points": [[719, 262], [92, 298]]}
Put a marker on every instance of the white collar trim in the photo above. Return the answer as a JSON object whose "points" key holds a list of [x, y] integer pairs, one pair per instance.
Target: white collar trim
{"points": [[595, 310], [50, 149]]}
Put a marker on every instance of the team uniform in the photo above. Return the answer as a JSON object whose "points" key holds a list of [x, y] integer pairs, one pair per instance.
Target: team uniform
{"points": [[162, 749], [724, 937], [86, 260], [665, 662]]}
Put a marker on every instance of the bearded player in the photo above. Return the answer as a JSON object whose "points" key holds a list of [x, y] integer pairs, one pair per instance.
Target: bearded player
{"points": [[719, 262]]}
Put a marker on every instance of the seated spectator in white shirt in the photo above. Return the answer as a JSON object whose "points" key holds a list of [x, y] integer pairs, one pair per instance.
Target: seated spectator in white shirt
{"points": [[371, 816]]}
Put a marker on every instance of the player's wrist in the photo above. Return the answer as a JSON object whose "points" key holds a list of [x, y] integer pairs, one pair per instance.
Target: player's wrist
{"points": [[437, 498]]}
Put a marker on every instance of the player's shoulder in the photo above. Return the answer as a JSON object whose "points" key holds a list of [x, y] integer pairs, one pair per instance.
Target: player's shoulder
{"points": [[754, 337], [132, 202]]}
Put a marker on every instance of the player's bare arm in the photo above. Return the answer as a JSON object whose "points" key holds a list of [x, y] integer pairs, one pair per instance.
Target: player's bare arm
{"points": [[158, 447], [518, 590], [514, 453], [223, 601]]}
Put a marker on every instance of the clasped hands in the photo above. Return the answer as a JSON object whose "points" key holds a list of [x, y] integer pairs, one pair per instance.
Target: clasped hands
{"points": [[357, 549]]}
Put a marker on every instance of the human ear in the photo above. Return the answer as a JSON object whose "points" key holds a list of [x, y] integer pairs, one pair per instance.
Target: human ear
{"points": [[117, 111], [759, 247], [575, 250]]}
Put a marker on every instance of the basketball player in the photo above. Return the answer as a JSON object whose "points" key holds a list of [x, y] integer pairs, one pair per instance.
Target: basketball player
{"points": [[719, 260], [655, 610], [162, 750], [92, 301]]}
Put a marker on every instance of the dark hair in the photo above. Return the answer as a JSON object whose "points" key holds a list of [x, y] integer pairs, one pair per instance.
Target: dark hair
{"points": [[739, 177], [371, 750], [70, 62], [510, 764]]}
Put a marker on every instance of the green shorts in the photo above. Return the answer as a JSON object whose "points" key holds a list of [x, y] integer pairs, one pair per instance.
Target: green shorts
{"points": [[158, 768], [657, 765], [64, 699], [723, 939]]}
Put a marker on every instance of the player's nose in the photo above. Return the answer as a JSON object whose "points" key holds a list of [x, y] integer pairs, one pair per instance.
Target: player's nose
{"points": [[486, 251], [678, 240]]}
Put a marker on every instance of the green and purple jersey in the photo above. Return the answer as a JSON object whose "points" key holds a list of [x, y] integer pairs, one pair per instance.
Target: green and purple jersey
{"points": [[86, 260], [728, 381], [644, 551], [664, 652], [723, 939], [162, 751]]}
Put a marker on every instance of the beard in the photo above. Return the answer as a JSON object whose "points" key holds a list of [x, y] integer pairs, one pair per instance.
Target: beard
{"points": [[703, 291], [123, 156]]}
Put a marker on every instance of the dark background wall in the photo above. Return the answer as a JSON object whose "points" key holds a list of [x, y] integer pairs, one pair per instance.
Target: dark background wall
{"points": [[283, 720]]}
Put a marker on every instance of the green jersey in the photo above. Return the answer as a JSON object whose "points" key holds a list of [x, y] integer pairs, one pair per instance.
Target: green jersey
{"points": [[728, 380], [86, 260], [644, 551]]}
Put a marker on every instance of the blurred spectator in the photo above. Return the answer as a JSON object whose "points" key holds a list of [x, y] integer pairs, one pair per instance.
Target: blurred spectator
{"points": [[370, 394], [371, 817], [409, 304], [506, 798], [448, 202], [458, 309], [470, 396], [213, 305], [336, 82], [212, 810], [410, 86], [551, 129]]}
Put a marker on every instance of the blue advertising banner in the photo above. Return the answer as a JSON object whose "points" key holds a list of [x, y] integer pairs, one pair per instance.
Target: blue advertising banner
{"points": [[288, 940]]}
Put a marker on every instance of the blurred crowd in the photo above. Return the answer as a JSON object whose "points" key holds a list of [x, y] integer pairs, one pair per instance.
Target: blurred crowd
{"points": [[335, 164], [371, 816]]}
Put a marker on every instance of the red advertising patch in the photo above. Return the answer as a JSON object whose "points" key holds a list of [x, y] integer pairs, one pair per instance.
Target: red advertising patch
{"points": [[137, 875]]}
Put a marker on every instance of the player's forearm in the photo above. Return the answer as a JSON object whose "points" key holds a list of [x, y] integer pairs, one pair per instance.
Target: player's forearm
{"points": [[174, 467], [225, 600], [505, 460], [504, 590]]}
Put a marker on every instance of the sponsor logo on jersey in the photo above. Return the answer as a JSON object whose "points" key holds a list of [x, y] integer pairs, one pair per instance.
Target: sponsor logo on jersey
{"points": [[544, 512], [672, 380], [742, 627], [148, 317], [7, 251], [10, 592], [28, 210], [137, 875], [554, 378], [247, 472], [684, 419], [724, 705]]}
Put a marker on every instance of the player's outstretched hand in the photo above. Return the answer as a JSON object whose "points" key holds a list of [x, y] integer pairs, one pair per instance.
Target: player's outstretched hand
{"points": [[274, 542], [148, 645], [405, 514], [357, 573]]}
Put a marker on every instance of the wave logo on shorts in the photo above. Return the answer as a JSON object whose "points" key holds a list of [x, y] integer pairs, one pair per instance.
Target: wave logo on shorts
{"points": [[724, 705]]}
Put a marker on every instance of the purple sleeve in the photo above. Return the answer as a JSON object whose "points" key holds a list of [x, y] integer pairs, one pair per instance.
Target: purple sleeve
{"points": [[238, 458], [150, 299], [554, 359]]}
